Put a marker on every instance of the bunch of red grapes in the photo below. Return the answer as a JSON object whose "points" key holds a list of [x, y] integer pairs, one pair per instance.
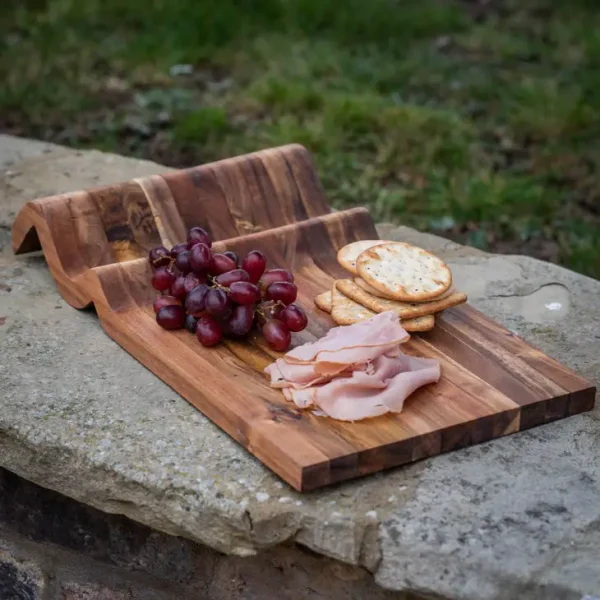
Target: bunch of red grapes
{"points": [[213, 295]]}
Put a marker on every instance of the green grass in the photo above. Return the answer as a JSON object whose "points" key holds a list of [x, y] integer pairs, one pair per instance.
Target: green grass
{"points": [[477, 121]]}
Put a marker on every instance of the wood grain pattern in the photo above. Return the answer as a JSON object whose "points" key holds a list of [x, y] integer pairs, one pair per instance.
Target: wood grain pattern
{"points": [[96, 241]]}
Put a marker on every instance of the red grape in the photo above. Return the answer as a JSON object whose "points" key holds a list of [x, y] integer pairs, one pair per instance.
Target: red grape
{"points": [[162, 280], [218, 303], [228, 308], [221, 264], [178, 249], [190, 323], [182, 262], [163, 301], [226, 279], [197, 235], [200, 258], [274, 275], [193, 280], [277, 335], [255, 263], [208, 331], [178, 288], [159, 257], [294, 317], [240, 321], [195, 303], [244, 292], [233, 256], [284, 291], [171, 317]]}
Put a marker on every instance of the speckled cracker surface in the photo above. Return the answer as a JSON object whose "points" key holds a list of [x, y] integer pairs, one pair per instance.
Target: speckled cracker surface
{"points": [[371, 290], [345, 311], [323, 301], [425, 323], [405, 310], [347, 255], [404, 272]]}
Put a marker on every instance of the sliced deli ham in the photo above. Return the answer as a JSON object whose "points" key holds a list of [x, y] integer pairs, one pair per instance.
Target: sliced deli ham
{"points": [[301, 398], [355, 398], [353, 343], [354, 372], [299, 376]]}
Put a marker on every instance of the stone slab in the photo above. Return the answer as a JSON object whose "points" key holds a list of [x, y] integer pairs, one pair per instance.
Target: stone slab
{"points": [[84, 550], [516, 517]]}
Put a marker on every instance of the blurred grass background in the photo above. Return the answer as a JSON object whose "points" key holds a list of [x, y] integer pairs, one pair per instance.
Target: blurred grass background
{"points": [[475, 119]]}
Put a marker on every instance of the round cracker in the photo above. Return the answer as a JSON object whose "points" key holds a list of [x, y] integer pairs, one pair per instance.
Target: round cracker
{"points": [[347, 255], [418, 324], [405, 310], [403, 271], [345, 311], [323, 301], [371, 290]]}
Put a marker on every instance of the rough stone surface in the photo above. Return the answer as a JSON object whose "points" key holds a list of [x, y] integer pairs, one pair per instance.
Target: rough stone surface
{"points": [[45, 571], [20, 579], [86, 591], [516, 517], [42, 515], [87, 554]]}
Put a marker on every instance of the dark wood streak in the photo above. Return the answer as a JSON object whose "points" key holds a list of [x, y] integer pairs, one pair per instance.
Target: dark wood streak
{"points": [[300, 212], [96, 241], [510, 361], [551, 369], [463, 351], [168, 220]]}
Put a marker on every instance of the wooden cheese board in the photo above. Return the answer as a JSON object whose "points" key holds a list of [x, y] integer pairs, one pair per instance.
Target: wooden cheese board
{"points": [[96, 243]]}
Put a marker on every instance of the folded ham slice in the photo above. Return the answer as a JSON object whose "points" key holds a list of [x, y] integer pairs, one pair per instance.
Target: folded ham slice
{"points": [[350, 344], [355, 398], [354, 372], [300, 376]]}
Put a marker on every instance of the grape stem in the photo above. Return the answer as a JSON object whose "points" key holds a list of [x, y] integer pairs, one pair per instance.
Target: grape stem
{"points": [[171, 261], [260, 312]]}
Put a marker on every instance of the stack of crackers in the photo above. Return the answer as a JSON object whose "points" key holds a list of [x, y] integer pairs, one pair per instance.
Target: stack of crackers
{"points": [[395, 276]]}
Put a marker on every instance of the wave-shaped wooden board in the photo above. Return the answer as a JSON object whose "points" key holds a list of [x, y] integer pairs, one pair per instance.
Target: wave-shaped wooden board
{"points": [[96, 242]]}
